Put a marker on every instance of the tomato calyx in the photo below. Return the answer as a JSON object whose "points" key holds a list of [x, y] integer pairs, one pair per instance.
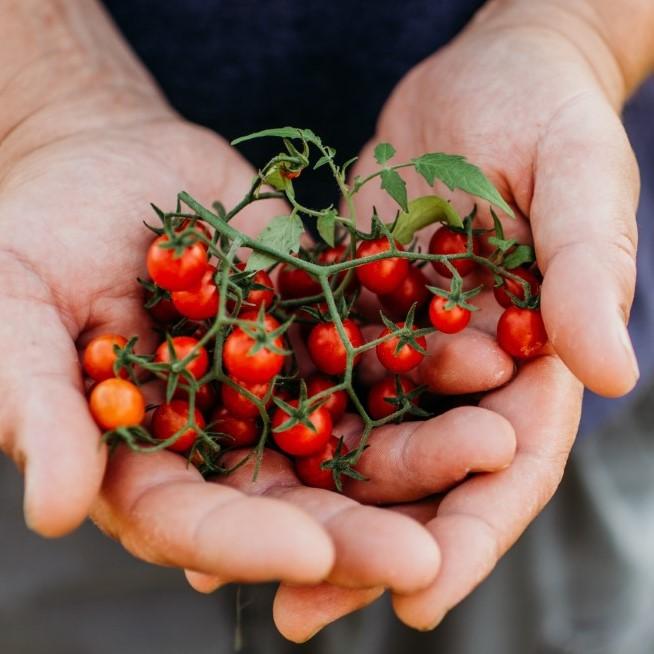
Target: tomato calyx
{"points": [[263, 337], [405, 332], [342, 465], [456, 296], [300, 414]]}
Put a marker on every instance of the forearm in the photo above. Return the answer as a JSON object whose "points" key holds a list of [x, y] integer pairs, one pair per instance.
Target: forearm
{"points": [[616, 38]]}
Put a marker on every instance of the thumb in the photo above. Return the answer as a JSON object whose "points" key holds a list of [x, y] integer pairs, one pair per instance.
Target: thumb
{"points": [[583, 220]]}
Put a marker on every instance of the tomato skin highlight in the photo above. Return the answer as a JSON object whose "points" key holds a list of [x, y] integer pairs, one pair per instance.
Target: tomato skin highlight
{"points": [[448, 241], [336, 403], [98, 358], [168, 419], [382, 276], [201, 301], [378, 408], [399, 362], [239, 405], [300, 440], [176, 274], [448, 321], [182, 346], [294, 283], [116, 403], [500, 292], [309, 472], [412, 289], [521, 332], [243, 431], [326, 348]]}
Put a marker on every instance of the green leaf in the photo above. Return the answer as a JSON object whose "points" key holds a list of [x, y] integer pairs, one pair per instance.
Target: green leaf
{"points": [[395, 186], [424, 211], [455, 172], [282, 233], [521, 255], [497, 225], [384, 152], [326, 224], [281, 132]]}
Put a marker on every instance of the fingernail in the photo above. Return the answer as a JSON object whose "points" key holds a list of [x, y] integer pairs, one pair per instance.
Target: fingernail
{"points": [[623, 335]]}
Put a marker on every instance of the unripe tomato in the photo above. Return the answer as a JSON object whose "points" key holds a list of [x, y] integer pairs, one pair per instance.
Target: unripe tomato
{"points": [[294, 283], [521, 332], [412, 289], [448, 321], [501, 294], [336, 403], [402, 360], [378, 406], [242, 432], [116, 403], [182, 346], [99, 357], [168, 419], [205, 396], [176, 273], [449, 241], [309, 472], [240, 405], [326, 348], [382, 276], [201, 301], [301, 440]]}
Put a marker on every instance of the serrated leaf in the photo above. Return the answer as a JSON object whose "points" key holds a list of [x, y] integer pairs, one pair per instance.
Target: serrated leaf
{"points": [[457, 173], [281, 132], [395, 186], [282, 233], [384, 152], [326, 225], [422, 212], [521, 255]]}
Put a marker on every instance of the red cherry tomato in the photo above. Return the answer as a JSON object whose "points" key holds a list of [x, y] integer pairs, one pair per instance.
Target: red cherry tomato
{"points": [[500, 292], [168, 419], [336, 403], [326, 348], [182, 346], [337, 254], [308, 469], [399, 362], [176, 273], [257, 296], [239, 404], [242, 432], [205, 396], [258, 367], [300, 440], [449, 241], [164, 312], [448, 321], [99, 357], [201, 301], [294, 283], [521, 332], [412, 289], [382, 276], [198, 226], [116, 403], [378, 406]]}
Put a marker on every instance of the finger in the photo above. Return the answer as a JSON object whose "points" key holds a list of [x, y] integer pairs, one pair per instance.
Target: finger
{"points": [[202, 582], [415, 459], [478, 521], [45, 425], [367, 540], [162, 511], [300, 613], [583, 219]]}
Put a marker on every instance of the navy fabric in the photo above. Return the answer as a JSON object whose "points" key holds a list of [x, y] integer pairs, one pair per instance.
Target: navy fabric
{"points": [[241, 66]]}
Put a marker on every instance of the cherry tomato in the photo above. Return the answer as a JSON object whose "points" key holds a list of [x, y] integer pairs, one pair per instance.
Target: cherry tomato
{"points": [[294, 283], [99, 357], [168, 419], [450, 241], [201, 301], [116, 403], [198, 226], [176, 273], [301, 440], [378, 406], [239, 404], [382, 276], [205, 396], [326, 348], [335, 255], [399, 362], [258, 367], [448, 321], [164, 312], [182, 346], [521, 332], [336, 403], [257, 296], [412, 289], [243, 432], [500, 292], [308, 469]]}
